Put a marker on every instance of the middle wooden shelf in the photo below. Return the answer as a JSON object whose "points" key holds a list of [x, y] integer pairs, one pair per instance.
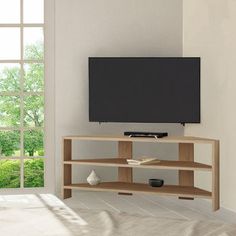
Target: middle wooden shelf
{"points": [[163, 164]]}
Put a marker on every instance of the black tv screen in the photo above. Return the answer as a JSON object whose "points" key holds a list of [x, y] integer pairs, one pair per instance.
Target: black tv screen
{"points": [[145, 90]]}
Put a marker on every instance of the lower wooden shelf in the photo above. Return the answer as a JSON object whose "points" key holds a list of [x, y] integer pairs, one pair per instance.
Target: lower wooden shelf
{"points": [[172, 190]]}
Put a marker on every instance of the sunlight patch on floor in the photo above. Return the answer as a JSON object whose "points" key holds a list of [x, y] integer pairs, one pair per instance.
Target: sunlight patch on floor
{"points": [[49, 204]]}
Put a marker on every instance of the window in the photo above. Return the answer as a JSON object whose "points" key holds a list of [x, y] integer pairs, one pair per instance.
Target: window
{"points": [[21, 93]]}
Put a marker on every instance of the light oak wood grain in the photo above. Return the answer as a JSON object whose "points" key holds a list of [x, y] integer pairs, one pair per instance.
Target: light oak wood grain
{"points": [[215, 176], [169, 139], [125, 152], [67, 172], [163, 164], [185, 165], [186, 153], [172, 190]]}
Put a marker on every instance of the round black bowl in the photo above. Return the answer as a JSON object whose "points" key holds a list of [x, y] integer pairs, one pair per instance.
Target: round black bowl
{"points": [[156, 182]]}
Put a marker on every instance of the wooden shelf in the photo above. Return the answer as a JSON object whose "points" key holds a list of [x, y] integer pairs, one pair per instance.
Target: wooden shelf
{"points": [[185, 166], [122, 187], [120, 162], [168, 139]]}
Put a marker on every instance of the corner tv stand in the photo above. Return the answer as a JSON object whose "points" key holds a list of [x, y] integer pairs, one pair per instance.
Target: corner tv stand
{"points": [[185, 165]]}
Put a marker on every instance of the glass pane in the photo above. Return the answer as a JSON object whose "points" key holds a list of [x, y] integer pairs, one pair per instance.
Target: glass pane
{"points": [[9, 43], [34, 173], [9, 111], [33, 111], [34, 77], [9, 77], [9, 11], [33, 143], [9, 143], [9, 173], [33, 11], [33, 43]]}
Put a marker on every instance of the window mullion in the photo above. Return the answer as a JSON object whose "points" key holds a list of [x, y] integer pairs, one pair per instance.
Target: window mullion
{"points": [[19, 128], [21, 93], [19, 25], [19, 61]]}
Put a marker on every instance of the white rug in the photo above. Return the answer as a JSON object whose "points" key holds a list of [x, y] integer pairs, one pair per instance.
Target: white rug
{"points": [[43, 215]]}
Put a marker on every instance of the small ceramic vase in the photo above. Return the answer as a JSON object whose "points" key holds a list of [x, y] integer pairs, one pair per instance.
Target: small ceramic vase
{"points": [[93, 179]]}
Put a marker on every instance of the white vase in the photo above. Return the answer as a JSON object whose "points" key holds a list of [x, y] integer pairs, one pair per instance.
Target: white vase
{"points": [[93, 179]]}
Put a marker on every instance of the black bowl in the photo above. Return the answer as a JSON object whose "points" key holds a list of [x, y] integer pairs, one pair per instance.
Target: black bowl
{"points": [[156, 182]]}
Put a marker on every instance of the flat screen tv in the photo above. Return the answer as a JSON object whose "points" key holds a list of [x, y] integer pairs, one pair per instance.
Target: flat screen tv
{"points": [[144, 90]]}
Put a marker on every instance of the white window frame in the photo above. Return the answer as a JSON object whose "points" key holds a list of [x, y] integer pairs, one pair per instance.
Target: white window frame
{"points": [[49, 90]]}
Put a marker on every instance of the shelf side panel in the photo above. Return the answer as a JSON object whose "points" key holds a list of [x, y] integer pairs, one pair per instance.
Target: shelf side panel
{"points": [[67, 169], [186, 177], [215, 175], [124, 152]]}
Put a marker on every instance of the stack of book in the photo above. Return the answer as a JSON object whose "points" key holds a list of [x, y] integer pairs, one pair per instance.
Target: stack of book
{"points": [[142, 161]]}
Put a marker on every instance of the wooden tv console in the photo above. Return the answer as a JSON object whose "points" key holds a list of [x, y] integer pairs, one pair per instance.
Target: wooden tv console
{"points": [[185, 165]]}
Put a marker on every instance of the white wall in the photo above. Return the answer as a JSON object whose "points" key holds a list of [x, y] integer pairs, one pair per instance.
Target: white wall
{"points": [[109, 28], [49, 74], [210, 32]]}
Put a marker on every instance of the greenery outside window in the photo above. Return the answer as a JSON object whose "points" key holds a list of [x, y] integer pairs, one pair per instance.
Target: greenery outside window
{"points": [[21, 94]]}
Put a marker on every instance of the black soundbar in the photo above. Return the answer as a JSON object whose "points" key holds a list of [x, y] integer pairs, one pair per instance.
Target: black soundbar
{"points": [[146, 134]]}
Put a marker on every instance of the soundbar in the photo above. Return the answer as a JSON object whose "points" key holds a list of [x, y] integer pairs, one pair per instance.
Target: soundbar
{"points": [[146, 134]]}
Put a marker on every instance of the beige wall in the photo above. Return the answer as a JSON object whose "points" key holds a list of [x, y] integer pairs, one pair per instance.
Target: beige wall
{"points": [[209, 31], [49, 74], [109, 28]]}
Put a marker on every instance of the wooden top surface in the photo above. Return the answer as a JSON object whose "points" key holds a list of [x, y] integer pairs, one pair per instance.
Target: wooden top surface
{"points": [[162, 164], [169, 139]]}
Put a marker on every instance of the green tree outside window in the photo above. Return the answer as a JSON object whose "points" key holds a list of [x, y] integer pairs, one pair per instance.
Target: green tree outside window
{"points": [[33, 116]]}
